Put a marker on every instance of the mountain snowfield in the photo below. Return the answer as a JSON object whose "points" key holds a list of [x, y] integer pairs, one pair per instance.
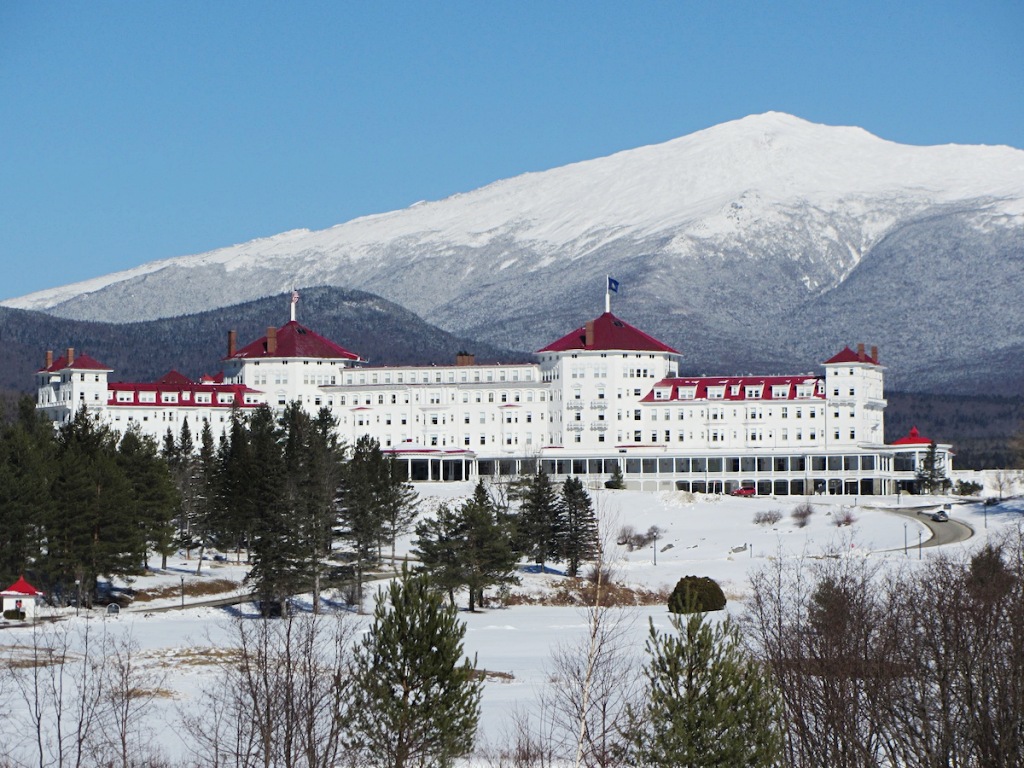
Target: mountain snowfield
{"points": [[731, 243]]}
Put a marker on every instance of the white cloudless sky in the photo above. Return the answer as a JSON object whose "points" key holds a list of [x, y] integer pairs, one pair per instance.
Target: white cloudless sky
{"points": [[136, 131]]}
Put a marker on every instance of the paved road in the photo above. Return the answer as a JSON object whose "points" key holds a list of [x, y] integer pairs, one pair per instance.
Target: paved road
{"points": [[950, 532]]}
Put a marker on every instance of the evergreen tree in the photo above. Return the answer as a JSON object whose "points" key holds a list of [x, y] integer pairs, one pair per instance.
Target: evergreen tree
{"points": [[437, 547], [615, 482], [90, 529], [207, 478], [155, 498], [275, 545], [233, 504], [27, 449], [416, 699], [361, 503], [485, 546], [931, 474], [707, 703], [470, 547], [313, 461], [400, 504], [579, 537], [540, 524]]}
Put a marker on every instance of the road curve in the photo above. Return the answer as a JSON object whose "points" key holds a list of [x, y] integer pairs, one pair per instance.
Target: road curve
{"points": [[950, 532]]}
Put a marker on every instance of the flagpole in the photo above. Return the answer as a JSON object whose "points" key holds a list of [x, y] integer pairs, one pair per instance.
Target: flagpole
{"points": [[607, 294]]}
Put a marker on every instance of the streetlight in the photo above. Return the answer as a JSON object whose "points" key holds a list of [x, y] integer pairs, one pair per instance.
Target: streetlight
{"points": [[182, 591], [919, 545], [654, 548], [905, 540], [78, 601]]}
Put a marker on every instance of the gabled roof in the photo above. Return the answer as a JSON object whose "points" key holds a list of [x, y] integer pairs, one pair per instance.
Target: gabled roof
{"points": [[21, 587], [847, 355], [80, 363], [609, 333], [175, 379], [766, 384], [294, 340], [913, 437]]}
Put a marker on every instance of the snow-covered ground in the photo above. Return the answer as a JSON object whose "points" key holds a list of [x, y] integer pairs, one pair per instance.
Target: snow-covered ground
{"points": [[706, 536]]}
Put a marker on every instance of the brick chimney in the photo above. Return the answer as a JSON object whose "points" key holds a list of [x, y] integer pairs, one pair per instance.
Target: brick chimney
{"points": [[70, 355], [49, 358], [589, 339], [860, 352], [232, 343], [874, 355], [271, 341], [465, 358]]}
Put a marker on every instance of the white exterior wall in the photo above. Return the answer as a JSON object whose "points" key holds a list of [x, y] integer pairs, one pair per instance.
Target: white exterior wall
{"points": [[60, 394], [492, 409], [596, 394]]}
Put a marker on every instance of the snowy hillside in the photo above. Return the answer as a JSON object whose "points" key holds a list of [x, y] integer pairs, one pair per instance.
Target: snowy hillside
{"points": [[744, 225]]}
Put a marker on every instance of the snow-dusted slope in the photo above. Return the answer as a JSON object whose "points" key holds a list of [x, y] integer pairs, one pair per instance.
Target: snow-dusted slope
{"points": [[727, 229]]}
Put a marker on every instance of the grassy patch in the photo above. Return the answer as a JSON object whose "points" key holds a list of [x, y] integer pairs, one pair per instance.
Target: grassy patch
{"points": [[193, 588]]}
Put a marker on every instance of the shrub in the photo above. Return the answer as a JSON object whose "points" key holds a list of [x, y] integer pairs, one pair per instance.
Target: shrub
{"points": [[769, 517], [967, 488], [696, 594], [843, 518], [630, 539], [615, 482], [802, 514], [14, 615]]}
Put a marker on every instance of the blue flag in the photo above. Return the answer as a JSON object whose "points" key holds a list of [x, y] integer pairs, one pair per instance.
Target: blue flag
{"points": [[613, 285]]}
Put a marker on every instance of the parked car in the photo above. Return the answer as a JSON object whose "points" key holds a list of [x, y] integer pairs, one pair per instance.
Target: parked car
{"points": [[744, 491], [940, 517]]}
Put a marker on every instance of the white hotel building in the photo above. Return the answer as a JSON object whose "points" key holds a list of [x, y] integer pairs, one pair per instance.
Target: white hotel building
{"points": [[605, 394]]}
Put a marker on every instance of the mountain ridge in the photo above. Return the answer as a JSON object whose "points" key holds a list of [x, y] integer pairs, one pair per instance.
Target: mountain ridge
{"points": [[763, 240]]}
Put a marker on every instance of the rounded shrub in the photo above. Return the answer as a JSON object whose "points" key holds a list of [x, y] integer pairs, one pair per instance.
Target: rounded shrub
{"points": [[696, 594]]}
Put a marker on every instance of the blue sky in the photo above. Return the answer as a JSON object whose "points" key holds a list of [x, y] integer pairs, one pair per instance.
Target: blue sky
{"points": [[136, 131]]}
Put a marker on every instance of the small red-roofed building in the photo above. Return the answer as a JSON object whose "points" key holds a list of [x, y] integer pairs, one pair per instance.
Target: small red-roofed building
{"points": [[22, 598]]}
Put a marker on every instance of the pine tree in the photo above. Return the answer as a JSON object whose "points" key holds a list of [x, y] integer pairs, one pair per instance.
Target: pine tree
{"points": [[540, 524], [416, 698], [275, 546], [90, 529], [707, 703], [312, 459], [579, 537], [470, 547], [155, 498], [931, 474], [233, 505], [361, 499], [437, 547], [27, 448], [206, 479]]}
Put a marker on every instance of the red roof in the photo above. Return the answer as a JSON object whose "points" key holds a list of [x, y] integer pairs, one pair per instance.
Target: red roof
{"points": [[847, 355], [81, 363], [177, 383], [913, 438], [609, 333], [22, 587], [734, 388], [294, 340]]}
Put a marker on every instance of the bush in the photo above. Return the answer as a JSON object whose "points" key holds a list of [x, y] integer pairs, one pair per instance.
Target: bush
{"points": [[769, 517], [843, 518], [696, 594], [615, 482], [967, 488], [630, 539], [14, 615], [802, 514]]}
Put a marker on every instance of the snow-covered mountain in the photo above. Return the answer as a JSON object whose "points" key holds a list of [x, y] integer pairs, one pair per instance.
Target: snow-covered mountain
{"points": [[759, 242]]}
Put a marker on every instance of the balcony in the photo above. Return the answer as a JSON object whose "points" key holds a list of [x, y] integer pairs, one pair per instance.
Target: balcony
{"points": [[598, 405], [574, 405], [575, 427], [599, 426]]}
